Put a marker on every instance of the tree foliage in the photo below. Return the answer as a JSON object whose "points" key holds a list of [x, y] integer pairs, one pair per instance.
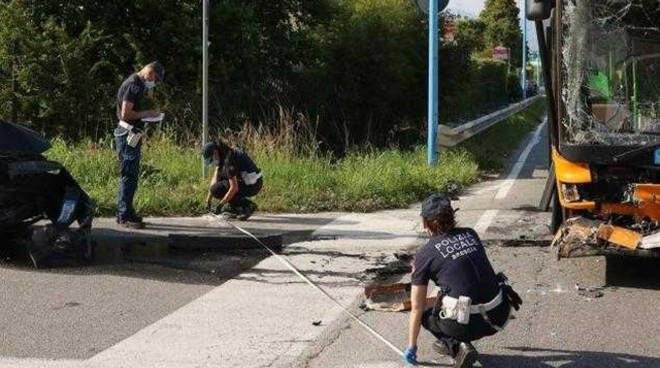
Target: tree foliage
{"points": [[503, 27], [353, 70], [470, 33]]}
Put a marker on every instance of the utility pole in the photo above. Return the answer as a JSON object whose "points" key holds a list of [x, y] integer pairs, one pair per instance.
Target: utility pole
{"points": [[538, 71], [205, 78], [433, 83], [524, 50], [14, 87]]}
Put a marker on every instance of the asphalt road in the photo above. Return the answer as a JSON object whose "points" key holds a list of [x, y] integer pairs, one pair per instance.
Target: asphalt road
{"points": [[557, 326], [247, 309], [73, 313]]}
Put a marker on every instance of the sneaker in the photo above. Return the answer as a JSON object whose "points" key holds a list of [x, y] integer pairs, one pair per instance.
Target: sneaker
{"points": [[466, 355], [228, 215], [441, 348], [230, 211], [247, 210]]}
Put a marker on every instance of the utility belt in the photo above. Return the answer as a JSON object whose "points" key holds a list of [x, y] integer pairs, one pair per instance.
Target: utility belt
{"points": [[461, 308], [250, 178], [134, 135]]}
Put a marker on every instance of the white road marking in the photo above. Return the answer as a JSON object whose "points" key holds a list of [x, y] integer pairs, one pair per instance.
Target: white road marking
{"points": [[484, 221], [505, 187], [487, 217], [252, 320]]}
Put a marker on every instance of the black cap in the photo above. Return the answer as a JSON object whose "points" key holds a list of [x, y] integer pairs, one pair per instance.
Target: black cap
{"points": [[159, 69], [207, 152], [435, 205]]}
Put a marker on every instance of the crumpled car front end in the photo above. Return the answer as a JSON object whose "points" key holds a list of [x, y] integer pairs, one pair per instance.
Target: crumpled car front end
{"points": [[32, 189]]}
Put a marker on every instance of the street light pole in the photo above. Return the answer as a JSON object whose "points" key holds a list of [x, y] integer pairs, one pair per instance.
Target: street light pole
{"points": [[205, 77], [524, 50], [433, 83]]}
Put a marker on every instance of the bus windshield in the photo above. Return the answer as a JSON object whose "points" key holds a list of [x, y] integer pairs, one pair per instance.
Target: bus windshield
{"points": [[611, 72]]}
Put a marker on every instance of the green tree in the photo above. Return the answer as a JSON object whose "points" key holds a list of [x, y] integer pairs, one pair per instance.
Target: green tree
{"points": [[355, 68], [58, 80], [503, 27], [470, 33]]}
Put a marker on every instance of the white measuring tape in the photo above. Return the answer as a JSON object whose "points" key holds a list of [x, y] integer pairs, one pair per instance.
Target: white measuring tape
{"points": [[312, 284]]}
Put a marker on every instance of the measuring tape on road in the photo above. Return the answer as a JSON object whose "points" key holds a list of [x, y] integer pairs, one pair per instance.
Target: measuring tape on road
{"points": [[311, 283]]}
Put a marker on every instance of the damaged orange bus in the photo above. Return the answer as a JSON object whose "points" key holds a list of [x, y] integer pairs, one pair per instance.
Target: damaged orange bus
{"points": [[601, 62]]}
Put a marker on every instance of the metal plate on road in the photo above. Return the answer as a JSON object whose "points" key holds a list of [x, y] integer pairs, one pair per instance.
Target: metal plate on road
{"points": [[423, 5]]}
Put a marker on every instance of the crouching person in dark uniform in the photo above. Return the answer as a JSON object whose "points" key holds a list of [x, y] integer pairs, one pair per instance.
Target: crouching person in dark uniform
{"points": [[236, 178], [473, 301]]}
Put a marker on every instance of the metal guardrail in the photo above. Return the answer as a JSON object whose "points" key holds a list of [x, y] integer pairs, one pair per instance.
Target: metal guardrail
{"points": [[451, 136]]}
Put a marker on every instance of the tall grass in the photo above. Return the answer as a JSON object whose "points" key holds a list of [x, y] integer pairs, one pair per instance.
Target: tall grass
{"points": [[298, 177]]}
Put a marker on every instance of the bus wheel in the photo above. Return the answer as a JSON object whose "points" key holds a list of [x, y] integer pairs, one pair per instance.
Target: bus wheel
{"points": [[557, 214]]}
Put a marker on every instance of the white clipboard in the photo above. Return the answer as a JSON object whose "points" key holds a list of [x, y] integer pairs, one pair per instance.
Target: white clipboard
{"points": [[154, 119]]}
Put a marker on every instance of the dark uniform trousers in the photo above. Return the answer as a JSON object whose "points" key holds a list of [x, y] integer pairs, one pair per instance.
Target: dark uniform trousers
{"points": [[453, 333], [220, 188], [129, 166]]}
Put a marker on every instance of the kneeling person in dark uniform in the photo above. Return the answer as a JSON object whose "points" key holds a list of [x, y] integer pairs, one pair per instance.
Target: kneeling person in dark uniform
{"points": [[473, 301], [236, 178]]}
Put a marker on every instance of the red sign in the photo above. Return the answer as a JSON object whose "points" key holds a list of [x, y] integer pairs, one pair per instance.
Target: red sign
{"points": [[501, 53]]}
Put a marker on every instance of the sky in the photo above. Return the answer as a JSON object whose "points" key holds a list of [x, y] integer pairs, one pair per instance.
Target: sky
{"points": [[470, 6]]}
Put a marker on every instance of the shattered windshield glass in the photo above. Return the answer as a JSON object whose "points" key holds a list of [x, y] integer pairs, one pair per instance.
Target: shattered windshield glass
{"points": [[611, 72]]}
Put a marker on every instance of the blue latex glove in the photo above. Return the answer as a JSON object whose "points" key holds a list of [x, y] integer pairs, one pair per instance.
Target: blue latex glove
{"points": [[410, 355]]}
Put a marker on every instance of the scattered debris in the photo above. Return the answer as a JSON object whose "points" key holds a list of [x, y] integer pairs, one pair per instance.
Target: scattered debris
{"points": [[404, 257], [579, 236], [650, 242], [67, 305], [576, 234], [389, 298], [589, 292], [393, 268], [619, 236], [452, 189]]}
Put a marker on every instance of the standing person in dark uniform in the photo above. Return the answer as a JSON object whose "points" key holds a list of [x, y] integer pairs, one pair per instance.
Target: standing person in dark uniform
{"points": [[473, 302], [130, 110], [236, 178]]}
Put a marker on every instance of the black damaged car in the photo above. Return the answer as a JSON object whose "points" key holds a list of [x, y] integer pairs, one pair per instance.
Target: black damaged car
{"points": [[39, 200]]}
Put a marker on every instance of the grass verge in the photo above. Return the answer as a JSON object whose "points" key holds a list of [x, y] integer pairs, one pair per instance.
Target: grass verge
{"points": [[295, 181]]}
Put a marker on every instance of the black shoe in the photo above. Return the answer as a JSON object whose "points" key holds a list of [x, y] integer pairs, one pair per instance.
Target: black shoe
{"points": [[441, 348], [135, 218], [247, 210], [131, 223], [466, 355]]}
